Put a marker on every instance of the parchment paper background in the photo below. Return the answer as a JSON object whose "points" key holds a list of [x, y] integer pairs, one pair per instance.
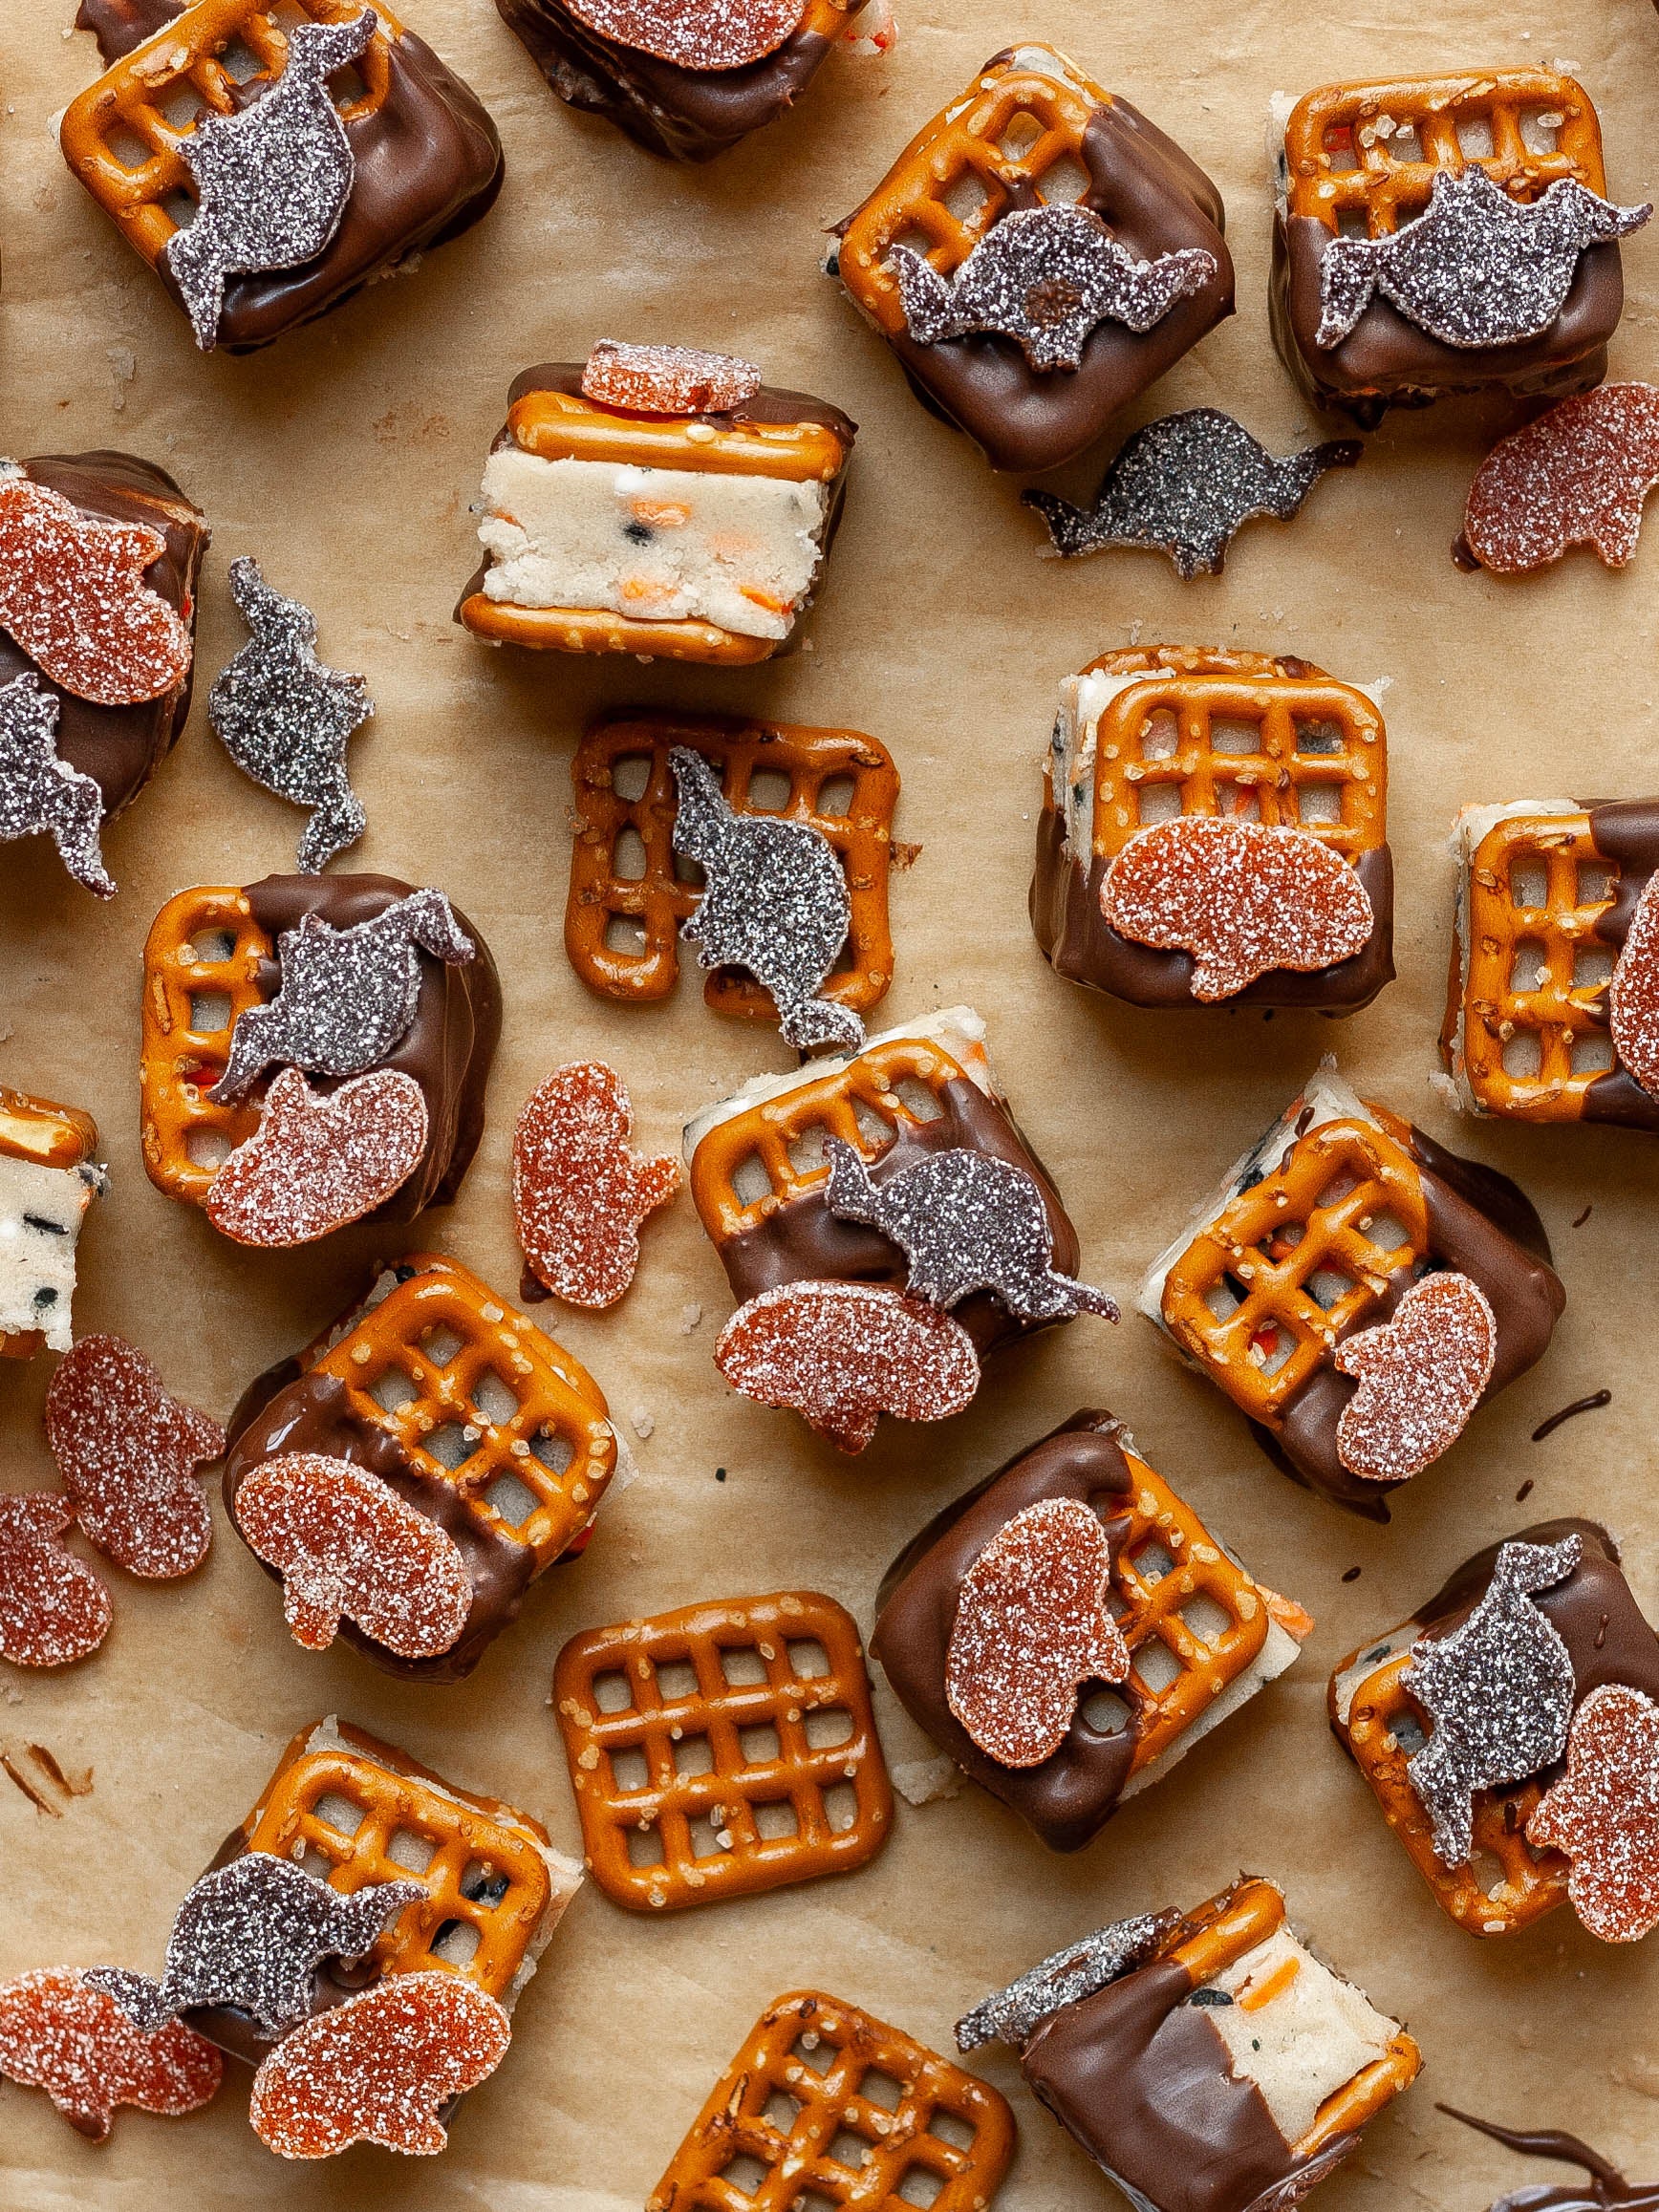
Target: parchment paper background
{"points": [[346, 458]]}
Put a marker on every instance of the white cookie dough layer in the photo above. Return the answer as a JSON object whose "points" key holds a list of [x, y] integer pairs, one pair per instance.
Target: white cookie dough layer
{"points": [[659, 545], [1310, 2037], [41, 1210]]}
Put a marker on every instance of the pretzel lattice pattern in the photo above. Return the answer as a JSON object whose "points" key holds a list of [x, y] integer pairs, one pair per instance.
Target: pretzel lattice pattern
{"points": [[202, 960]]}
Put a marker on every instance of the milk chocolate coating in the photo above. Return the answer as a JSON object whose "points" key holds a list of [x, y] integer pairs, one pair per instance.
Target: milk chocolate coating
{"points": [[803, 1242], [1156, 201], [686, 114], [1627, 831], [1483, 1226], [451, 1041], [1386, 361], [121, 747], [1605, 2189], [1081, 945], [429, 165], [1146, 2085], [1073, 1794], [312, 1414]]}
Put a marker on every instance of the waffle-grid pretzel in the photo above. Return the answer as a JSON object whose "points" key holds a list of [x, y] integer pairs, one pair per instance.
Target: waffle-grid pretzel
{"points": [[774, 1129], [815, 2078], [1493, 1006], [1313, 735], [204, 946], [987, 138], [485, 1871], [139, 102], [395, 1381], [1147, 1608], [50, 1136], [787, 1774], [1340, 163], [1332, 1186], [658, 900], [1526, 1882]]}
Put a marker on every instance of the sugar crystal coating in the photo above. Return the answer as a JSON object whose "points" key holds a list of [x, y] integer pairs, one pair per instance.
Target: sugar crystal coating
{"points": [[1033, 1625], [579, 1193], [128, 1453], [666, 379], [316, 1164], [53, 1609], [61, 2035], [844, 1353], [714, 35], [1604, 1812], [1421, 1374], [40, 794], [1578, 476], [347, 1545], [1633, 994]]}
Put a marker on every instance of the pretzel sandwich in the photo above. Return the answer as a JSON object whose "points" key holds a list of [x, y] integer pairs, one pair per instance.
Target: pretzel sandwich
{"points": [[48, 1179]]}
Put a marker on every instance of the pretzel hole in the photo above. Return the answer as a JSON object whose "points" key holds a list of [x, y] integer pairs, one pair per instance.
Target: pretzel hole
{"points": [[630, 775], [510, 1500], [760, 1745], [693, 1755], [835, 798], [208, 1149], [1592, 1053], [1204, 1619], [1232, 733], [1152, 1563], [338, 1814], [492, 1398], [1523, 1054], [1407, 1733], [872, 1126], [1329, 1286], [827, 1730], [1023, 131], [1475, 138], [807, 1658], [630, 1770], [742, 1667], [676, 1680], [450, 1445], [239, 61], [1157, 803], [128, 149], [882, 2091], [209, 1012], [439, 1345], [1529, 970], [645, 1848], [1595, 884], [1339, 1187], [1486, 1871], [612, 1693], [967, 197], [1064, 182], [705, 1838], [455, 1942], [1541, 129], [1339, 150], [777, 1820], [182, 107], [1156, 1665], [768, 793], [1405, 145], [781, 2109], [1592, 967], [316, 1863], [805, 1150], [1224, 1298], [917, 1100], [629, 857], [814, 2201], [1240, 802], [412, 1852], [1387, 1234], [920, 2186], [624, 934], [750, 1181], [1103, 1713], [745, 2174], [551, 1451], [1318, 802], [847, 2149], [841, 1807], [1352, 222], [346, 87], [1317, 736], [811, 2050], [687, 871], [211, 946], [392, 1390]]}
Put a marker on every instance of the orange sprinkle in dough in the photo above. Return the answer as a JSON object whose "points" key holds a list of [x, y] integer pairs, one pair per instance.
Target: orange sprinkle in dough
{"points": [[1262, 1993]]}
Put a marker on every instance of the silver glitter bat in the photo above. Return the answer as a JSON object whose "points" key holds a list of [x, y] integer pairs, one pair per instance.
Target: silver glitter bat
{"points": [[348, 996], [273, 181], [965, 1221], [284, 718], [1045, 276], [776, 902], [40, 793], [1476, 268], [252, 1935], [1185, 486], [1500, 1690], [1014, 2014]]}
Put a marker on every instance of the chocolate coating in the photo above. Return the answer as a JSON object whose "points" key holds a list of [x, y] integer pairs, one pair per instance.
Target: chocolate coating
{"points": [[685, 114], [1071, 1796], [450, 1044], [1627, 830], [120, 747], [428, 163]]}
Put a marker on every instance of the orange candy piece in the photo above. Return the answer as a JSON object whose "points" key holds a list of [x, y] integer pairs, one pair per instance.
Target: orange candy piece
{"points": [[1604, 1812], [844, 1353], [77, 2045], [1421, 1374], [380, 2068], [72, 596], [128, 1453], [53, 1608], [316, 1164], [668, 379], [346, 1544], [1578, 476], [1633, 995], [578, 1193]]}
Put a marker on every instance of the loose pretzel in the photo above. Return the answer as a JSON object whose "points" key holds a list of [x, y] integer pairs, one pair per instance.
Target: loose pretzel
{"points": [[774, 1129], [1340, 125], [186, 1135], [485, 1870], [912, 206], [1371, 1173], [814, 2055], [47, 1135], [659, 899], [1491, 1007], [136, 104], [665, 1724], [560, 1410], [1529, 1883]]}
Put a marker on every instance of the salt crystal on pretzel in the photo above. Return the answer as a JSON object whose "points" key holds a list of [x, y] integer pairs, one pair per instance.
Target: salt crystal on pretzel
{"points": [[1241, 897], [716, 35], [128, 1453], [1604, 1812], [380, 2068], [316, 1164], [53, 1609], [579, 1193], [844, 1353], [346, 1543], [1633, 994], [666, 379], [1033, 1625], [1421, 1374], [1578, 476], [72, 596], [59, 2034]]}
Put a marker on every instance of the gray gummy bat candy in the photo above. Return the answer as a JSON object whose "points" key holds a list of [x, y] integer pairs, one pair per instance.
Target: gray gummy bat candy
{"points": [[40, 793]]}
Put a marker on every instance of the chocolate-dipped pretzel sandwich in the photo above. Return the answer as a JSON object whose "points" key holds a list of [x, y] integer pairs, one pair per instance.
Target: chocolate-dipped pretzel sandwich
{"points": [[314, 1052], [657, 501], [1214, 832], [49, 1177], [1510, 1729], [269, 161], [1358, 1292], [1445, 234], [1552, 1010], [1035, 257], [884, 1224], [1068, 1630], [1207, 2061]]}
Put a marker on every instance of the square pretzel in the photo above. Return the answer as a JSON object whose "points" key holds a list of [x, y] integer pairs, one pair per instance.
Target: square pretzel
{"points": [[728, 1734], [202, 967], [828, 2102], [627, 895]]}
